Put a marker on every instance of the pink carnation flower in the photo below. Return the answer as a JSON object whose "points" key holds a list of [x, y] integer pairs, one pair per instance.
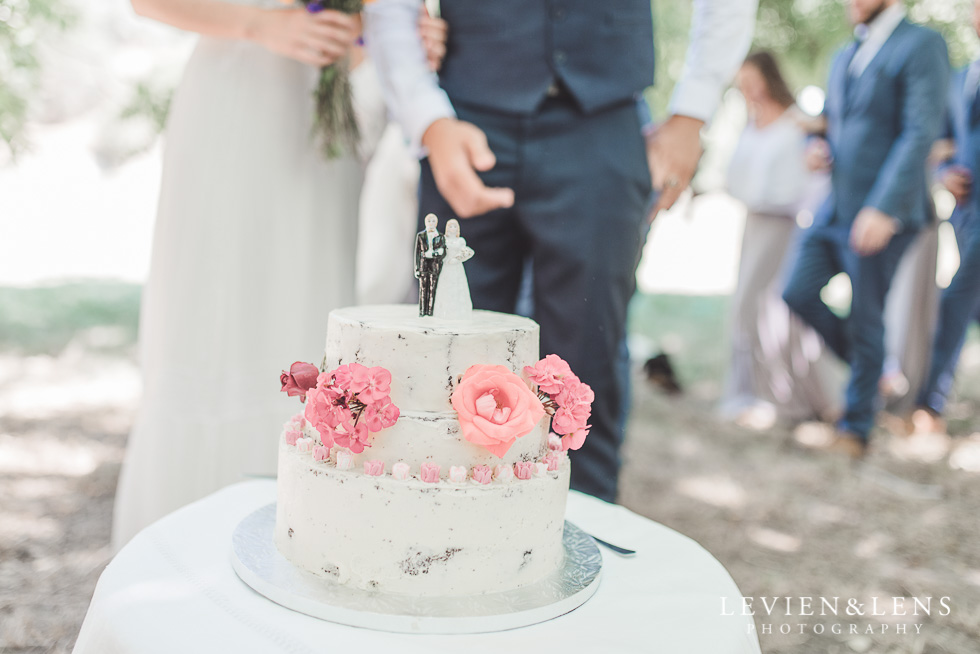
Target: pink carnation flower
{"points": [[495, 407], [374, 468], [482, 474], [370, 384], [430, 472], [300, 379], [523, 469], [549, 373]]}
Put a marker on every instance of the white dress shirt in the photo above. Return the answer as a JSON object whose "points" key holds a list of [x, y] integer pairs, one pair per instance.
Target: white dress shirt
{"points": [[721, 32], [873, 36]]}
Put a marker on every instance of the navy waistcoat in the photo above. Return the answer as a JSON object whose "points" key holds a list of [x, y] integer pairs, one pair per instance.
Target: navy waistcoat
{"points": [[503, 55]]}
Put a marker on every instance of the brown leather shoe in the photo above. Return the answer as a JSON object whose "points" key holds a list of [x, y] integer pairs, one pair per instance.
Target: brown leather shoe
{"points": [[833, 441]]}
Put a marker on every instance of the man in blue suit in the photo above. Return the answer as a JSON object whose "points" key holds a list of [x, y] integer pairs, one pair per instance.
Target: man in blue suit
{"points": [[531, 133], [961, 301], [885, 103]]}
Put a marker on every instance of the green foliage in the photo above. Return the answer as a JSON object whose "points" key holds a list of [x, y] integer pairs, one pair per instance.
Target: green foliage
{"points": [[43, 320], [804, 34], [149, 102], [22, 23]]}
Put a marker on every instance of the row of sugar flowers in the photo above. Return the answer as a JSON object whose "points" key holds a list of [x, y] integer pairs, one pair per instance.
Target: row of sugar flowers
{"points": [[495, 407], [428, 472]]}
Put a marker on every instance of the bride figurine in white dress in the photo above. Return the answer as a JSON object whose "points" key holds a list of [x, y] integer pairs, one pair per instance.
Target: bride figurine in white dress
{"points": [[253, 246], [453, 291]]}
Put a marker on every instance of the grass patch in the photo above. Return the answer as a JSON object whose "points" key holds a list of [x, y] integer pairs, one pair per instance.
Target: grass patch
{"points": [[45, 319]]}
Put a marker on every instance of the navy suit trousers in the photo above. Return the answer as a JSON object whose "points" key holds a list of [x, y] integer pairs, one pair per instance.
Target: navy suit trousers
{"points": [[582, 189], [958, 307], [858, 339]]}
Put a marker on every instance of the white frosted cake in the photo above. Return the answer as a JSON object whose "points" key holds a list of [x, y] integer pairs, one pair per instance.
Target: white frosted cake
{"points": [[440, 479]]}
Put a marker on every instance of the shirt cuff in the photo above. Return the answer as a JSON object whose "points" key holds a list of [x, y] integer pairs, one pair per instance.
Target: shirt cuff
{"points": [[421, 113], [695, 98]]}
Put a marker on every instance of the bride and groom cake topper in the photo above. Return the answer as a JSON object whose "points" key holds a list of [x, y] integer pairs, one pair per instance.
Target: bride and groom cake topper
{"points": [[439, 266]]}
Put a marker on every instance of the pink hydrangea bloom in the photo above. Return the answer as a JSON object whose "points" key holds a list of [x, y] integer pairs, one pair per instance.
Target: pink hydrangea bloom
{"points": [[523, 469], [300, 379], [482, 474], [430, 472], [549, 373], [495, 407], [374, 468], [503, 472], [380, 415], [574, 440], [370, 384], [292, 436], [321, 453], [341, 375], [574, 407], [353, 437]]}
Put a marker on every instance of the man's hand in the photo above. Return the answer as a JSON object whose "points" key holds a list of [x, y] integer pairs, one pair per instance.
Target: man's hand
{"points": [[434, 33], [457, 150], [673, 151], [818, 157], [957, 180], [871, 231]]}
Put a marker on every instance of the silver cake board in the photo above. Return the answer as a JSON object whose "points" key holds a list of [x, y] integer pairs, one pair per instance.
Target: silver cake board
{"points": [[260, 565]]}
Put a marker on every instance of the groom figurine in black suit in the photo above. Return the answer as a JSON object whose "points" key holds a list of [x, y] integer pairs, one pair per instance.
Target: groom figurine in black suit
{"points": [[430, 250], [532, 132]]}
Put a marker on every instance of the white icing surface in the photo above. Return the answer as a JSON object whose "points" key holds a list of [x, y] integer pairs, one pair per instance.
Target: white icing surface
{"points": [[426, 356], [411, 537]]}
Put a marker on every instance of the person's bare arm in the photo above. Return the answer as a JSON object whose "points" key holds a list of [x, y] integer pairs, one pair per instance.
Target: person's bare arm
{"points": [[315, 39]]}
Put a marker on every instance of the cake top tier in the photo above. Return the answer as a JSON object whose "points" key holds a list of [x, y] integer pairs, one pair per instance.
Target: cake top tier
{"points": [[426, 355], [405, 318]]}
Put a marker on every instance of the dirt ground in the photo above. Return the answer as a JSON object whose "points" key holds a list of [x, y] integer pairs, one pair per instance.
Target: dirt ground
{"points": [[785, 523]]}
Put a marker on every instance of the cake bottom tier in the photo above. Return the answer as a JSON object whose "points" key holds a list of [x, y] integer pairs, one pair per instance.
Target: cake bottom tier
{"points": [[417, 538]]}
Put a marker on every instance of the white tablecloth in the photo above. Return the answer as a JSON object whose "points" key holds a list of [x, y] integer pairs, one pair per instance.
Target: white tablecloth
{"points": [[173, 590]]}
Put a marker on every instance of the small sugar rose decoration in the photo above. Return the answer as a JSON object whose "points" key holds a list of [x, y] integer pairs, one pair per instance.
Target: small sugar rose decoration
{"points": [[429, 472], [300, 379], [495, 407], [321, 453], [502, 472], [482, 474], [374, 468], [400, 471], [457, 474], [523, 469]]}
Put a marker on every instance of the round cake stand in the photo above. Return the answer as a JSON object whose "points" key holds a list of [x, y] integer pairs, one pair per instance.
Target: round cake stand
{"points": [[260, 565]]}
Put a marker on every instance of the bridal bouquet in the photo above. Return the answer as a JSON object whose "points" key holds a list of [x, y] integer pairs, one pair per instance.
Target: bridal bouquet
{"points": [[334, 122]]}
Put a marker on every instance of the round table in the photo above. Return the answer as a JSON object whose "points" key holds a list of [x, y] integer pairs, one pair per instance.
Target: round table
{"points": [[172, 589]]}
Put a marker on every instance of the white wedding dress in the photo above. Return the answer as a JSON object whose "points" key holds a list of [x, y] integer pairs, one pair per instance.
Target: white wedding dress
{"points": [[254, 244], [453, 291]]}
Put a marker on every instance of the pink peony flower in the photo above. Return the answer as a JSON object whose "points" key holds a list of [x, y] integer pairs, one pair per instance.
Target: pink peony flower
{"points": [[430, 472], [345, 460], [523, 469], [353, 437], [400, 471], [495, 407], [380, 415], [292, 436], [374, 468], [482, 474], [552, 460], [370, 384], [574, 440], [321, 453], [503, 472], [457, 474], [300, 379], [549, 373]]}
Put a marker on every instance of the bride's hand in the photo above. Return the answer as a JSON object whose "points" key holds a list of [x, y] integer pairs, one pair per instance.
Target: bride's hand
{"points": [[317, 39]]}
